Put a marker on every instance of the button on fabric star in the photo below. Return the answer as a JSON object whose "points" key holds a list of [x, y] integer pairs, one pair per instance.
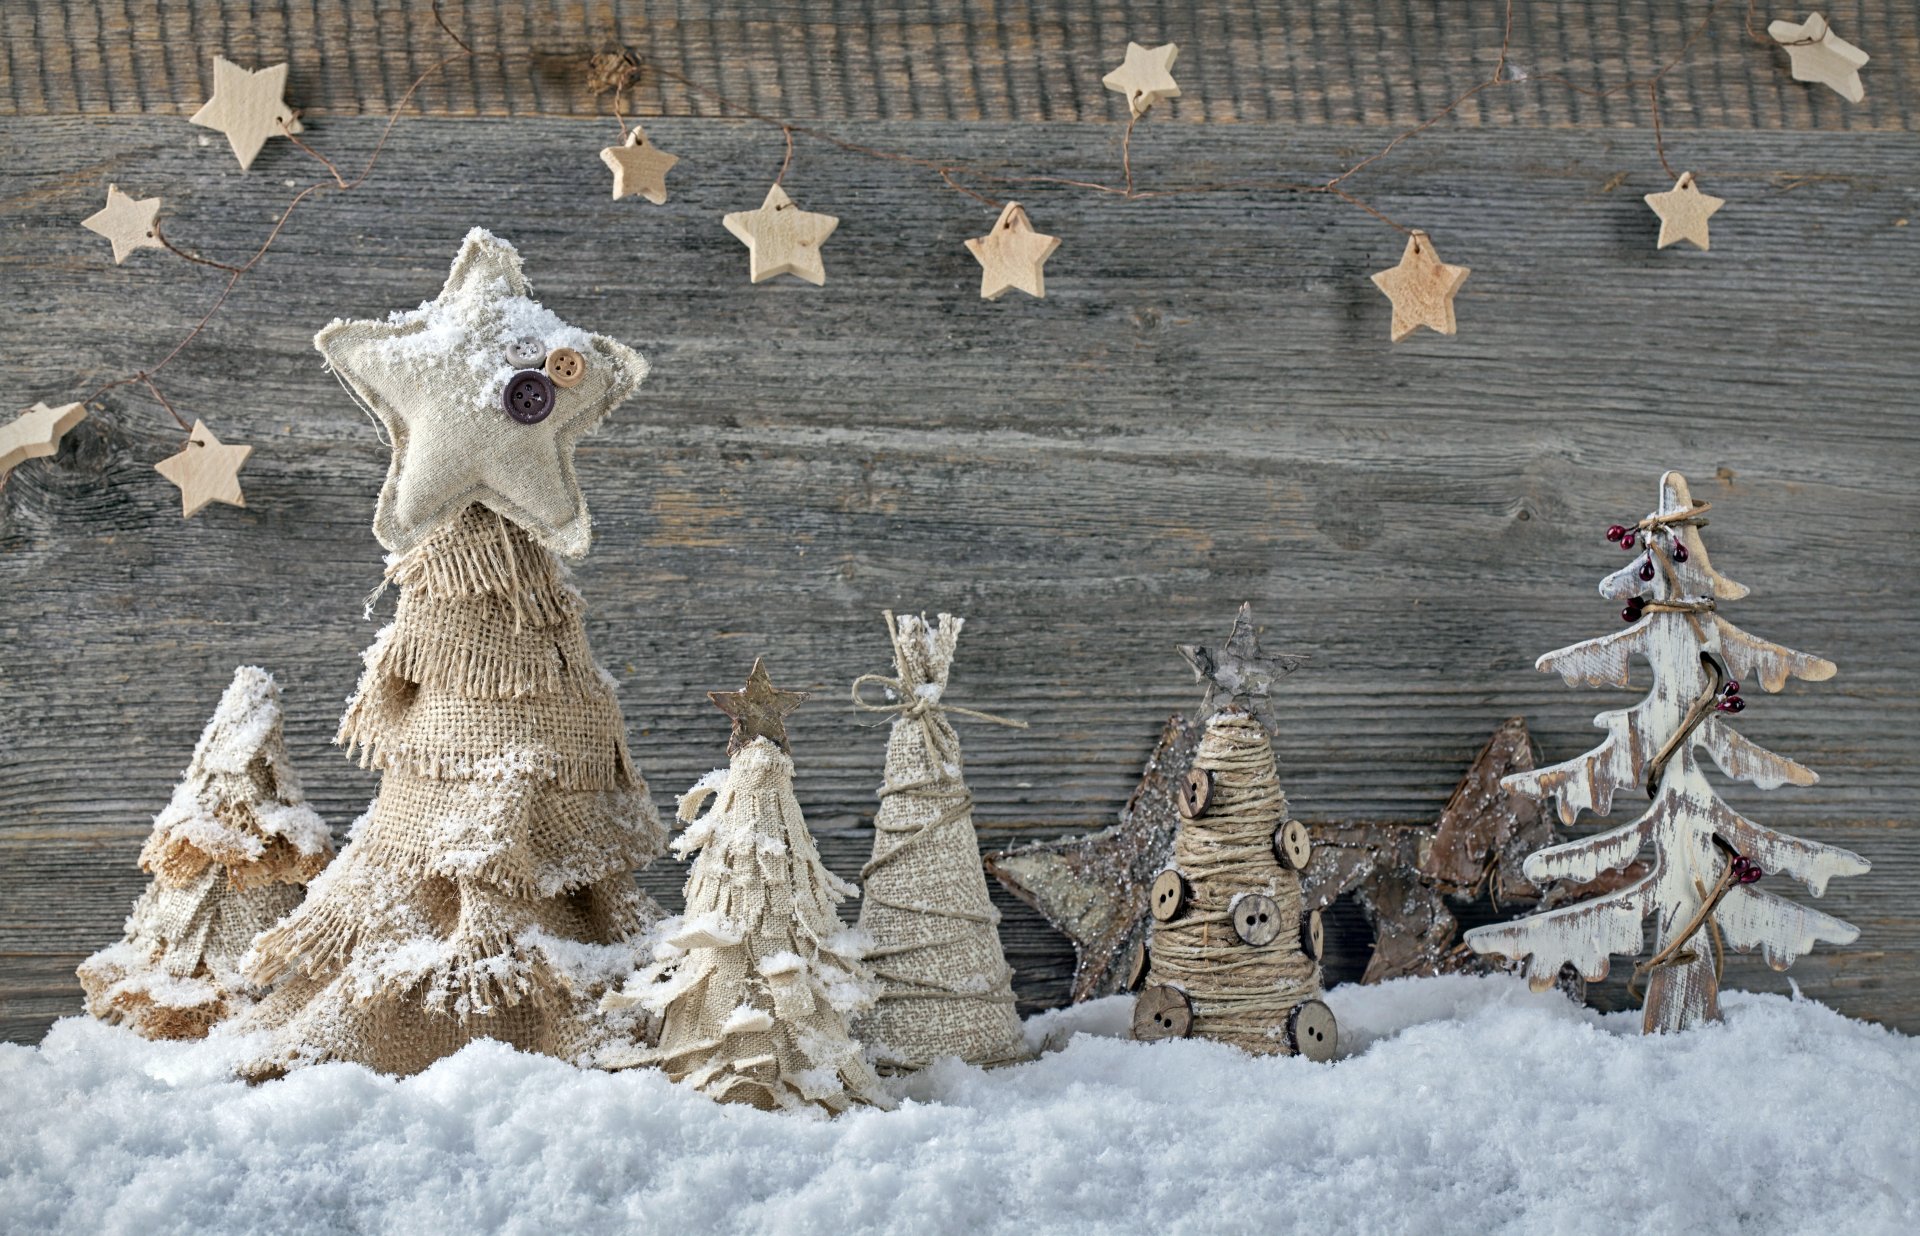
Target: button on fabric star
{"points": [[528, 397], [566, 367], [526, 353]]}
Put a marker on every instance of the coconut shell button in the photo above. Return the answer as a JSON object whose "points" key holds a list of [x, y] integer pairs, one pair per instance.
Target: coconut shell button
{"points": [[1168, 896], [1310, 1028], [1256, 919], [1162, 1013], [566, 367], [1313, 935], [526, 352], [1196, 791], [1137, 964], [528, 397], [1293, 845]]}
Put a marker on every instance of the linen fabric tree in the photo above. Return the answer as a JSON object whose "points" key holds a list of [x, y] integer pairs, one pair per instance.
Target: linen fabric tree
{"points": [[229, 856], [1705, 855]]}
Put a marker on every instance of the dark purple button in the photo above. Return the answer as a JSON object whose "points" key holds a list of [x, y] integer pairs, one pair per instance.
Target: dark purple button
{"points": [[528, 397]]}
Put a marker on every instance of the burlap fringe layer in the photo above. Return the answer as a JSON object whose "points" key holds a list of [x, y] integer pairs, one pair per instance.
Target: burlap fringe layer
{"points": [[469, 646], [481, 554]]}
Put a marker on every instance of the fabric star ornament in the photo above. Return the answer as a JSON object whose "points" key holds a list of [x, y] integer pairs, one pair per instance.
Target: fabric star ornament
{"points": [[36, 433], [126, 221], [1145, 77], [1422, 288], [207, 470], [1684, 212], [249, 106], [782, 239], [1011, 255], [1239, 674], [1819, 55], [639, 167], [484, 393]]}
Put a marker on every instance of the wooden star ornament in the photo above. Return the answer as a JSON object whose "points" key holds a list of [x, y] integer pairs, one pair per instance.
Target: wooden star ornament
{"points": [[1011, 255], [1819, 55], [1422, 288], [1238, 674], [639, 167], [759, 710], [207, 470], [126, 221], [36, 433], [249, 106], [1145, 76], [1684, 212], [782, 239]]}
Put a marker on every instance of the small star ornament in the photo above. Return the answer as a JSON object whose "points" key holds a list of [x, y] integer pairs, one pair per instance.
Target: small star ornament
{"points": [[207, 470], [1819, 55], [782, 239], [1684, 212], [36, 433], [249, 106], [1011, 255], [759, 710], [1238, 674], [639, 167], [126, 221], [1145, 77], [1422, 288], [484, 392]]}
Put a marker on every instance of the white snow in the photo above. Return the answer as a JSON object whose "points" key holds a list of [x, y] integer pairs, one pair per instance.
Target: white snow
{"points": [[1466, 1105]]}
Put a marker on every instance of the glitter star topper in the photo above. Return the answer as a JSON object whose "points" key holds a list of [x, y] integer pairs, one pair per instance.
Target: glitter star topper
{"points": [[1239, 674], [759, 710]]}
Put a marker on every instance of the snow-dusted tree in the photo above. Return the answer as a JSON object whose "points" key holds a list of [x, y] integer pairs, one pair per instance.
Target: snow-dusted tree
{"points": [[1700, 846], [945, 986], [229, 856], [755, 982]]}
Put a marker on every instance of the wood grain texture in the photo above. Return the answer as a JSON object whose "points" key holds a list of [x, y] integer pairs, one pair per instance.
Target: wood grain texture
{"points": [[1204, 410], [1303, 62]]}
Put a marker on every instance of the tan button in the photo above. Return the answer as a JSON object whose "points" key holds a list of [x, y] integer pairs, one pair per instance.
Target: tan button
{"points": [[1256, 919], [566, 367], [1313, 935], [1162, 1013], [1137, 964], [1168, 896], [1196, 790], [1310, 1028], [1293, 845]]}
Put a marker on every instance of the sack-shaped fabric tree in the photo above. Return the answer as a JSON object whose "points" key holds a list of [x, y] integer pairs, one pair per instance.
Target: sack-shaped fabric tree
{"points": [[755, 983], [1704, 855], [230, 855], [945, 986], [1234, 955], [488, 891]]}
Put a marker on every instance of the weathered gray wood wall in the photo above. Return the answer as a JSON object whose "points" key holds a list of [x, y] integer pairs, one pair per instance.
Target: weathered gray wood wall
{"points": [[1204, 410]]}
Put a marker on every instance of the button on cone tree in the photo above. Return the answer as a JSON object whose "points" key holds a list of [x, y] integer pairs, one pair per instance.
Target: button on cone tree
{"points": [[1704, 856]]}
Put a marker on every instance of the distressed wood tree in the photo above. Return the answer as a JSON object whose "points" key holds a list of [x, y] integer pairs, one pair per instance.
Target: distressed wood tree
{"points": [[1704, 854]]}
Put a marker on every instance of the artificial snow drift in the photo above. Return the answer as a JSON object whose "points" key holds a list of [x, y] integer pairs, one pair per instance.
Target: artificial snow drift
{"points": [[1464, 1105]]}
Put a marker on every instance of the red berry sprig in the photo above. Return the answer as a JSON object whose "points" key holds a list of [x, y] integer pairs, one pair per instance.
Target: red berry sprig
{"points": [[1730, 700], [1745, 870]]}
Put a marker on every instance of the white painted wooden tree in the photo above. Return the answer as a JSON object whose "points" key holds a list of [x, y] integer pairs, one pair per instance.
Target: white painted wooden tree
{"points": [[1672, 595]]}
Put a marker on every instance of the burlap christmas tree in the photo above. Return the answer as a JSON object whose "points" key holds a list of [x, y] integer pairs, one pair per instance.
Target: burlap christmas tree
{"points": [[229, 856], [1233, 956], [945, 987], [755, 983]]}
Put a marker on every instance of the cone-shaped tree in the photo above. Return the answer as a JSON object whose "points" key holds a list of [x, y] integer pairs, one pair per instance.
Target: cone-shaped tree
{"points": [[945, 986], [1700, 661], [754, 984], [229, 856]]}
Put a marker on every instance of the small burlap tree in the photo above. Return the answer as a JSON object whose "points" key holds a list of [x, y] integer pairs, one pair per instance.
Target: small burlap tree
{"points": [[229, 856], [1233, 956], [945, 986], [755, 983]]}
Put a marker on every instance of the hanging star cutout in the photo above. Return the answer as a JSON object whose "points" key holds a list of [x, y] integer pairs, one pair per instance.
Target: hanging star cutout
{"points": [[437, 378], [1238, 674], [759, 710], [782, 239], [126, 221], [1819, 55], [1145, 77], [1422, 288], [36, 433], [1011, 255], [249, 106], [1684, 212], [639, 167], [206, 470]]}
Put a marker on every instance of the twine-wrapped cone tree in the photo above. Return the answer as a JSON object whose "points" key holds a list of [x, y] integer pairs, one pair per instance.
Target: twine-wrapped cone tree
{"points": [[230, 855], [1704, 855], [755, 983], [487, 892], [1233, 955], [945, 986]]}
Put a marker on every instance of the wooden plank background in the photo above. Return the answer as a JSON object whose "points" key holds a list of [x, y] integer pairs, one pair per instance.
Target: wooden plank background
{"points": [[1204, 410]]}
